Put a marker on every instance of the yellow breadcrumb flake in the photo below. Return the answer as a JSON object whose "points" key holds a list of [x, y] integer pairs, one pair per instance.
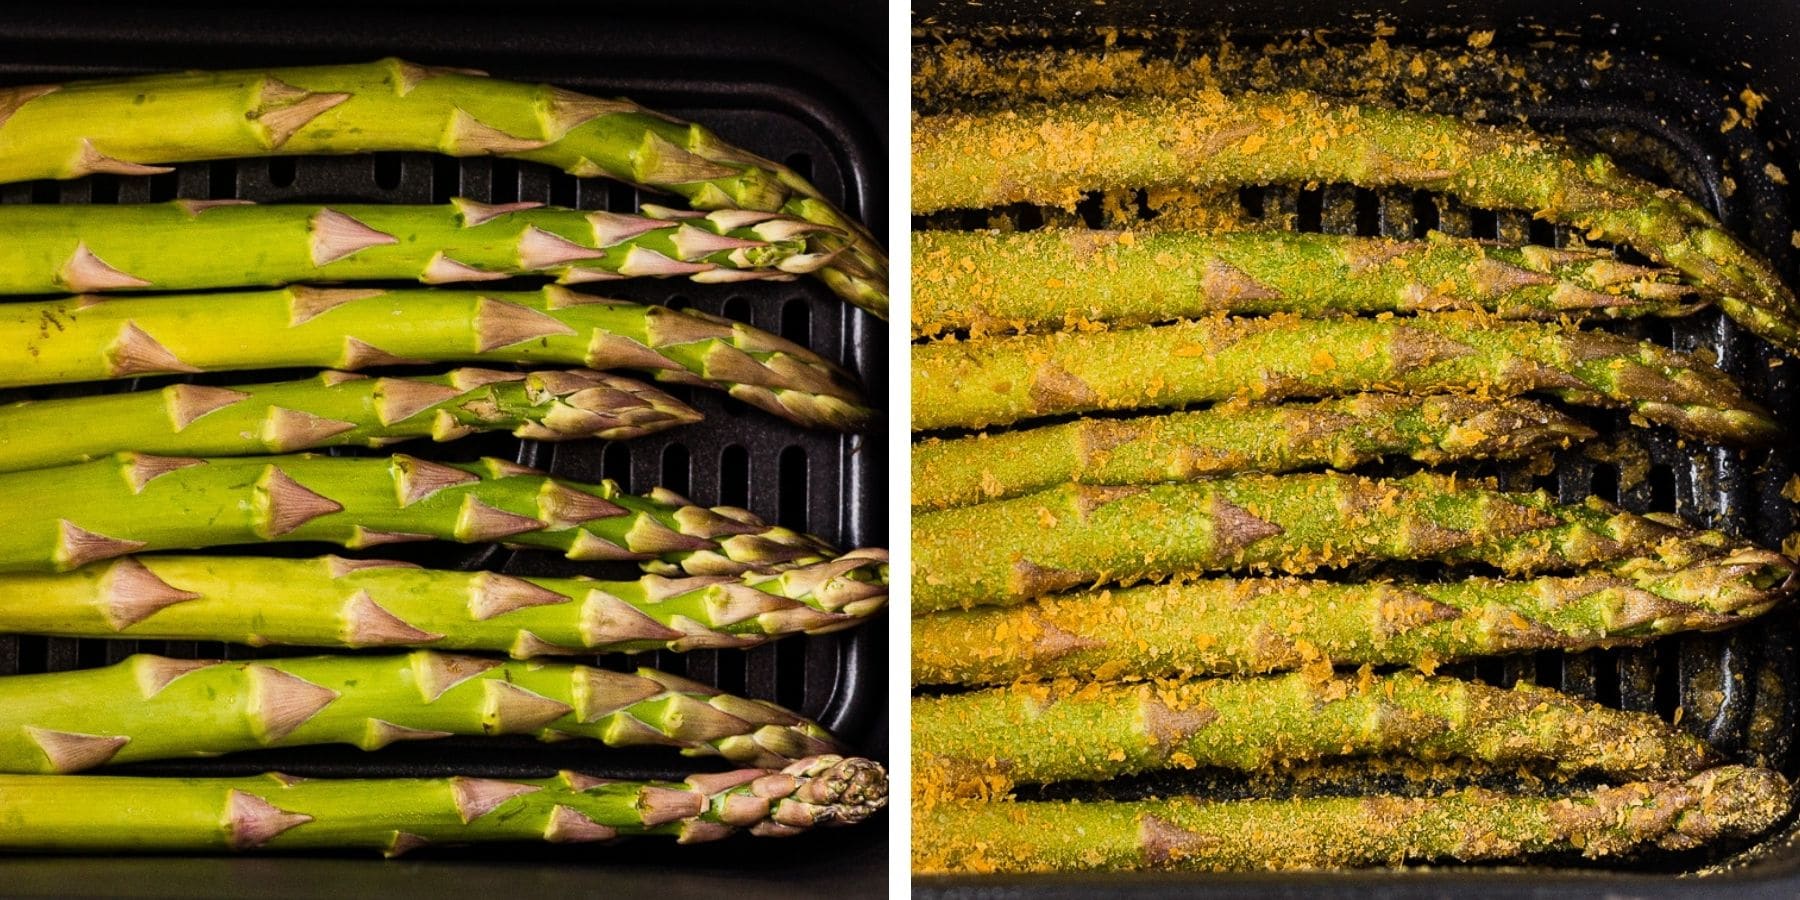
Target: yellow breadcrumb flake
{"points": [[1753, 103], [1791, 490]]}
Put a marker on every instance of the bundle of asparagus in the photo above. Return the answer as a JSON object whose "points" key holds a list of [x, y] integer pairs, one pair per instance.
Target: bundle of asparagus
{"points": [[1030, 538], [184, 466]]}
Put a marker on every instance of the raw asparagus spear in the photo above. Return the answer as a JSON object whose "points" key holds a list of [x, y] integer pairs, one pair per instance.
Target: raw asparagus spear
{"points": [[332, 602], [1052, 153], [117, 813], [63, 518], [1078, 535], [993, 381], [89, 338], [152, 707], [192, 244], [1224, 440], [1068, 730], [1255, 625], [128, 126], [989, 281], [1470, 825], [334, 409]]}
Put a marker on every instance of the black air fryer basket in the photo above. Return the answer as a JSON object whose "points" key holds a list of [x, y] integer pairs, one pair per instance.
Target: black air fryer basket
{"points": [[802, 89], [1659, 110]]}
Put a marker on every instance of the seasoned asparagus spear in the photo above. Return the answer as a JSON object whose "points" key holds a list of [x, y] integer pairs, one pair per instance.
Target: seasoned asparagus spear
{"points": [[192, 244], [1067, 730], [334, 409], [988, 281], [1225, 440], [88, 339], [100, 813], [1470, 825], [1248, 626], [1001, 553], [152, 707], [332, 602], [63, 518], [1052, 153], [128, 126], [993, 381]]}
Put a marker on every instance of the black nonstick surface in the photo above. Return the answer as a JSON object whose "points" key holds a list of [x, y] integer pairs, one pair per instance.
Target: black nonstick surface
{"points": [[803, 89], [1659, 111]]}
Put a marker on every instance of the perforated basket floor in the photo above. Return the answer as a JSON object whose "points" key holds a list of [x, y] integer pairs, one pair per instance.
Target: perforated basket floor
{"points": [[794, 94]]}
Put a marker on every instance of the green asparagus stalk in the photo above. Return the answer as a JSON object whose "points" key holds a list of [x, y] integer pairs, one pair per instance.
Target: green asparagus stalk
{"points": [[192, 244], [130, 126], [152, 707], [987, 281], [332, 602], [1070, 730], [1052, 153], [1470, 825], [88, 339], [1256, 625], [99, 813], [993, 381], [334, 409], [63, 518], [1226, 440], [1077, 536]]}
